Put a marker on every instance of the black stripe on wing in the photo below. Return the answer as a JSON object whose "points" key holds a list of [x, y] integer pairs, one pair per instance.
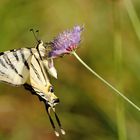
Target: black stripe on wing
{"points": [[1, 53], [36, 72], [2, 63], [30, 88], [40, 67], [8, 62], [15, 54], [3, 74], [24, 59]]}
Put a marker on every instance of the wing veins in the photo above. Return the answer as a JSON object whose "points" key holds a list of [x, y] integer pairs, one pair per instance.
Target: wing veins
{"points": [[8, 61]]}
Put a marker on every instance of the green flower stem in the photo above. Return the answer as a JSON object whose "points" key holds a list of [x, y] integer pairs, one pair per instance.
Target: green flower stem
{"points": [[104, 81]]}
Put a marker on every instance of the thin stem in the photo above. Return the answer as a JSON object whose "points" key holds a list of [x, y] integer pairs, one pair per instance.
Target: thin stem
{"points": [[104, 81]]}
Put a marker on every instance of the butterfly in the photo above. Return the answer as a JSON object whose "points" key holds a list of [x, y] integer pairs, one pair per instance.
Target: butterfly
{"points": [[31, 68]]}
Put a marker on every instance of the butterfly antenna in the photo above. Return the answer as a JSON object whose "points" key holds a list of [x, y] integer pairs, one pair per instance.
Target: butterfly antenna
{"points": [[35, 35], [52, 123], [59, 123]]}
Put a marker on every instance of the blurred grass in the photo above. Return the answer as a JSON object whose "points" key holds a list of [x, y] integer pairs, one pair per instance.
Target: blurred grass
{"points": [[118, 59], [88, 108]]}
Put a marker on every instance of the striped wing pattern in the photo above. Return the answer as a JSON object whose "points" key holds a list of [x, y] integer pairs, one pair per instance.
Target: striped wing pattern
{"points": [[14, 66], [38, 77]]}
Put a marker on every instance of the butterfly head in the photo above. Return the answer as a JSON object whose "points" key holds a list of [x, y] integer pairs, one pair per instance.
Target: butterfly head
{"points": [[52, 99]]}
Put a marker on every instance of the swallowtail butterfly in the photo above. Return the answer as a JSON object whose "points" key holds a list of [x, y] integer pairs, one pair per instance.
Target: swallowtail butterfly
{"points": [[31, 68]]}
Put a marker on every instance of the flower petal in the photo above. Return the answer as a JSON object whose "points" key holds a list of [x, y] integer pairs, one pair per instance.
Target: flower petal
{"points": [[66, 42]]}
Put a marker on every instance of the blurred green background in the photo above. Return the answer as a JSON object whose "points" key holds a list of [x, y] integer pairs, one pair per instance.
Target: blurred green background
{"points": [[89, 110]]}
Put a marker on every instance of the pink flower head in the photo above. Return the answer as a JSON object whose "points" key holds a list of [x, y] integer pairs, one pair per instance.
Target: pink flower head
{"points": [[66, 42]]}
